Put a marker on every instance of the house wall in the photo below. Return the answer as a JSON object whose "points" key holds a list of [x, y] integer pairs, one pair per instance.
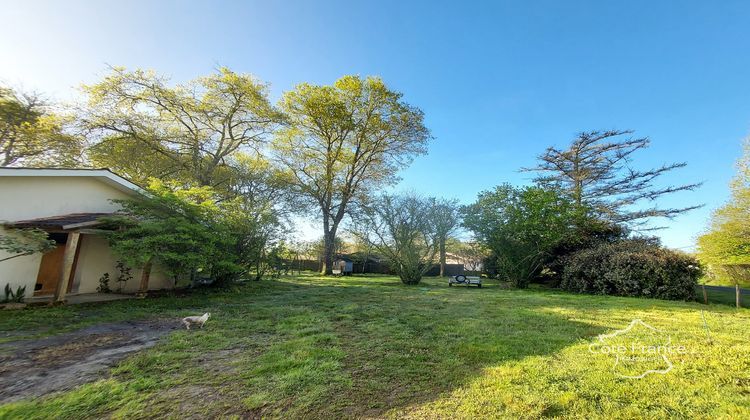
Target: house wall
{"points": [[19, 271], [23, 198], [26, 198], [96, 258]]}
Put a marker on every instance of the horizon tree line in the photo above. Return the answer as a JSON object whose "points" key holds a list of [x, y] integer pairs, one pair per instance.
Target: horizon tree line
{"points": [[323, 150]]}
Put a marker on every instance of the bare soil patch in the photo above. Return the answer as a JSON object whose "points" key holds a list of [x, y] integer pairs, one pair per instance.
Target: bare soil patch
{"points": [[33, 368]]}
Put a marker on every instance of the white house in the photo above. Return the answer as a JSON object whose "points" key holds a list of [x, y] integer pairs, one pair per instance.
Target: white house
{"points": [[67, 203]]}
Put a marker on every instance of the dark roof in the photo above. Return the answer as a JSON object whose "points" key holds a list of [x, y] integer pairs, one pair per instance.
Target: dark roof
{"points": [[64, 222]]}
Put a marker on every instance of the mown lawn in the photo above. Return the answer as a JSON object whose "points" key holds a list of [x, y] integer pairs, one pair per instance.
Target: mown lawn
{"points": [[371, 347]]}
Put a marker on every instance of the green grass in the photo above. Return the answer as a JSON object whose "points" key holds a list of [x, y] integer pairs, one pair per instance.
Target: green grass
{"points": [[371, 347]]}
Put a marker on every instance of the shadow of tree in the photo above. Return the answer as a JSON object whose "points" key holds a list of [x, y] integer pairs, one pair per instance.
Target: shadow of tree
{"points": [[405, 345]]}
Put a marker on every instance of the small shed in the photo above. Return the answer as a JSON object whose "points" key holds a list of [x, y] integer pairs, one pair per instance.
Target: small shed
{"points": [[343, 266]]}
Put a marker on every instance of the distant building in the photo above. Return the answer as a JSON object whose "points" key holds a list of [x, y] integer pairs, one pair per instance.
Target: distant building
{"points": [[343, 266], [470, 263]]}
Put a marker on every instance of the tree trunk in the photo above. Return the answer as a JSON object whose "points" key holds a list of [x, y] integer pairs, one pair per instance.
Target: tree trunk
{"points": [[329, 239], [442, 258], [367, 258], [738, 298]]}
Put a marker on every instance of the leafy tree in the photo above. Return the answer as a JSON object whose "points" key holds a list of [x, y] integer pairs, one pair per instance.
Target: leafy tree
{"points": [[180, 230], [521, 227], [144, 128], [254, 228], [595, 172], [31, 134], [725, 248], [446, 217], [401, 229], [343, 141], [23, 242]]}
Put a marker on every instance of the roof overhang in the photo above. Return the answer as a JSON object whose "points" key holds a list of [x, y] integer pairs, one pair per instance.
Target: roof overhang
{"points": [[104, 175], [74, 221]]}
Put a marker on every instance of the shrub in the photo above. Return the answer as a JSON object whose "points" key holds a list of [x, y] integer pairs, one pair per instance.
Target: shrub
{"points": [[401, 228], [632, 267], [104, 284], [521, 227], [18, 296]]}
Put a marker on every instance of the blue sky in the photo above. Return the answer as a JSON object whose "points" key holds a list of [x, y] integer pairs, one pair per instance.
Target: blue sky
{"points": [[498, 81]]}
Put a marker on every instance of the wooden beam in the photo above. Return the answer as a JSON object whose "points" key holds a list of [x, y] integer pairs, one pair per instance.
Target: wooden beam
{"points": [[145, 276], [68, 265]]}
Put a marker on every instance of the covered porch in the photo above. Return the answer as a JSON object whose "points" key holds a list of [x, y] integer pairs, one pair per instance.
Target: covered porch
{"points": [[60, 279]]}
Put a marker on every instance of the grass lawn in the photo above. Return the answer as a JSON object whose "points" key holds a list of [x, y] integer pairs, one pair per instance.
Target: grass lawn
{"points": [[371, 347]]}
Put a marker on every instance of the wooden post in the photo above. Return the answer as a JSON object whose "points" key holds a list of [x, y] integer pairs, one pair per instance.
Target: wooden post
{"points": [[69, 258], [738, 298], [145, 275], [705, 295]]}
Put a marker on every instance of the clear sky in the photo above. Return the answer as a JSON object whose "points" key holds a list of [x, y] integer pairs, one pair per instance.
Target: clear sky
{"points": [[498, 81]]}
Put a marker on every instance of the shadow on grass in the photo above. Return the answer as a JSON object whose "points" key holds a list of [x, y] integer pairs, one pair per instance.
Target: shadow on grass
{"points": [[403, 345], [312, 347]]}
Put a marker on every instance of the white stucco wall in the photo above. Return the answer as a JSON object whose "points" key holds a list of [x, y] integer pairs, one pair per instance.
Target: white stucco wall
{"points": [[23, 198], [95, 259], [26, 198], [19, 271]]}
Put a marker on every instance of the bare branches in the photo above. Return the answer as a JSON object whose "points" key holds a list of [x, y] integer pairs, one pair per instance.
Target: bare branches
{"points": [[197, 126], [403, 229], [596, 172]]}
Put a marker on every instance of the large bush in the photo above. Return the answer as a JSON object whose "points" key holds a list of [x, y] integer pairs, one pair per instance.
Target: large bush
{"points": [[632, 267], [401, 228], [521, 227]]}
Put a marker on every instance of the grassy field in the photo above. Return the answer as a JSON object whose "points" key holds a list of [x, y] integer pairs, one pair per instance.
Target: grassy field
{"points": [[371, 347]]}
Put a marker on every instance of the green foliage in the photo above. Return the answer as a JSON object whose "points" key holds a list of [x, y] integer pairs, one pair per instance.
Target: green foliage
{"points": [[725, 248], [521, 227], [17, 296], [632, 267], [587, 233], [104, 284], [182, 230], [194, 230], [22, 242], [343, 141], [402, 229], [32, 134], [124, 275], [145, 128]]}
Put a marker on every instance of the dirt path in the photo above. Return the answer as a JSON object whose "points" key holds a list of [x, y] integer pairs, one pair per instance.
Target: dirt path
{"points": [[32, 368]]}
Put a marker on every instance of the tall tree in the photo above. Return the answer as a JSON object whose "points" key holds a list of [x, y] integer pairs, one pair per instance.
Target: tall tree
{"points": [[32, 134], [596, 172], [446, 217], [145, 128], [725, 248], [343, 141]]}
